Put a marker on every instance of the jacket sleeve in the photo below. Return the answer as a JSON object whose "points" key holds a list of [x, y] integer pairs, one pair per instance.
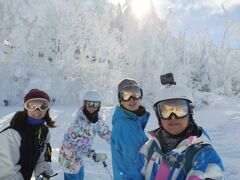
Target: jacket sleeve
{"points": [[140, 170], [207, 165], [119, 170], [125, 147], [103, 131], [70, 139], [136, 171], [43, 163], [9, 155]]}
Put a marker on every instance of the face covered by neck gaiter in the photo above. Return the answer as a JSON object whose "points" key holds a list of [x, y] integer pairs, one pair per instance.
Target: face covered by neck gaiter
{"points": [[92, 117]]}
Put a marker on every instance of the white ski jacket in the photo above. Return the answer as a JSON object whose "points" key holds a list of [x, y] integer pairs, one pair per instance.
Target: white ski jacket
{"points": [[10, 141]]}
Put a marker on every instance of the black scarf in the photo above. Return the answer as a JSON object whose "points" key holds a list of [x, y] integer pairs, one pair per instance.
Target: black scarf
{"points": [[92, 117], [169, 141], [33, 138]]}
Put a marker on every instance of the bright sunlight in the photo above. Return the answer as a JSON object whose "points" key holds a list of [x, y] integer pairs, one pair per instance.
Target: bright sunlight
{"points": [[140, 7]]}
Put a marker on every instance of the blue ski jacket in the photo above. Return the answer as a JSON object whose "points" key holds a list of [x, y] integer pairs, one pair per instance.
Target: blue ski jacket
{"points": [[127, 138]]}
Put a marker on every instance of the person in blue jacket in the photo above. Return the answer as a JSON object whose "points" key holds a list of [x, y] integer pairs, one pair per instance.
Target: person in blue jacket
{"points": [[128, 136]]}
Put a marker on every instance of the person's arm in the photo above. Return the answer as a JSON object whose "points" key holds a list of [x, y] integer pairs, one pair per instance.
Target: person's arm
{"points": [[119, 169], [138, 171], [128, 142], [10, 155], [208, 165], [144, 157], [103, 130]]}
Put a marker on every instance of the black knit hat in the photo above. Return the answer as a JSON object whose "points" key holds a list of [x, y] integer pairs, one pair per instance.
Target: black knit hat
{"points": [[36, 93]]}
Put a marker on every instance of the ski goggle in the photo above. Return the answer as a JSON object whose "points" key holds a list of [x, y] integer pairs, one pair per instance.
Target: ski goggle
{"points": [[129, 92], [37, 103], [178, 107], [92, 104]]}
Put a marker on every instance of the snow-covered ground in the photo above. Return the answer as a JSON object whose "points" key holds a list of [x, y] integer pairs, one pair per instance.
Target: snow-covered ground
{"points": [[221, 119]]}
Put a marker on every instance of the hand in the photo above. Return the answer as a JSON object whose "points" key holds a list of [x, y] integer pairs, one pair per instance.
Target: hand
{"points": [[90, 154], [45, 176], [99, 157]]}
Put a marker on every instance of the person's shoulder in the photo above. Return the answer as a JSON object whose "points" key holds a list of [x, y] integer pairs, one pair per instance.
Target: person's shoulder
{"points": [[79, 112], [119, 116], [204, 133], [100, 117], [152, 133], [152, 140], [10, 133], [146, 115], [117, 110], [150, 146], [8, 129], [80, 116]]}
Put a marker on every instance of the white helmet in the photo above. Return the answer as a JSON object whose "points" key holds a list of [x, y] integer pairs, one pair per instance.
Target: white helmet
{"points": [[173, 92], [92, 95]]}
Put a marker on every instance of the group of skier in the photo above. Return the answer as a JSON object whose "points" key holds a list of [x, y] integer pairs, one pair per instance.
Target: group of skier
{"points": [[176, 150]]}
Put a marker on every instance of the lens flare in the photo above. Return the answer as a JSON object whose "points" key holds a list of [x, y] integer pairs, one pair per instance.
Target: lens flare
{"points": [[140, 7]]}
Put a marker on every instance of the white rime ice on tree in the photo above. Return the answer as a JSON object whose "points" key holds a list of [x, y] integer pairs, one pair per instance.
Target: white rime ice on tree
{"points": [[93, 44]]}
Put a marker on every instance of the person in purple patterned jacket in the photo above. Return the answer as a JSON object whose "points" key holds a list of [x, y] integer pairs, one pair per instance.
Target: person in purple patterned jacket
{"points": [[78, 139]]}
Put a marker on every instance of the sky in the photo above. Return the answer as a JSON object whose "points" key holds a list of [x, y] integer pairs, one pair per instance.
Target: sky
{"points": [[200, 16], [221, 119]]}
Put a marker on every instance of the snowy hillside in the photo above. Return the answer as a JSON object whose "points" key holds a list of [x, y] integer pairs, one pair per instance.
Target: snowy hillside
{"points": [[221, 119], [66, 47]]}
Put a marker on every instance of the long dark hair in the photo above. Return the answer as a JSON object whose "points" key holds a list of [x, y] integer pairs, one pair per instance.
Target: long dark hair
{"points": [[21, 116]]}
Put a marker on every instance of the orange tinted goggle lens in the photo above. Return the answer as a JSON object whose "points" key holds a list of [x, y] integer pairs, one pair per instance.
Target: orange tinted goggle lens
{"points": [[37, 103], [178, 107], [131, 92]]}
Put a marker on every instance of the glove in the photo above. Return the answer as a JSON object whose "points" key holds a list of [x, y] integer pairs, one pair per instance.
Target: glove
{"points": [[45, 176], [90, 154], [99, 157]]}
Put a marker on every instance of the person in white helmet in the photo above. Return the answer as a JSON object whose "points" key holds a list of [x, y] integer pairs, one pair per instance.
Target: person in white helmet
{"points": [[178, 149], [78, 139]]}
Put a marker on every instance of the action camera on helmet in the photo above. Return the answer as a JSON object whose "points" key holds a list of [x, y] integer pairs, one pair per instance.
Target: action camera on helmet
{"points": [[167, 79]]}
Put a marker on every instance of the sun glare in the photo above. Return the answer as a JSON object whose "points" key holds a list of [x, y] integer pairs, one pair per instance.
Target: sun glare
{"points": [[140, 7]]}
